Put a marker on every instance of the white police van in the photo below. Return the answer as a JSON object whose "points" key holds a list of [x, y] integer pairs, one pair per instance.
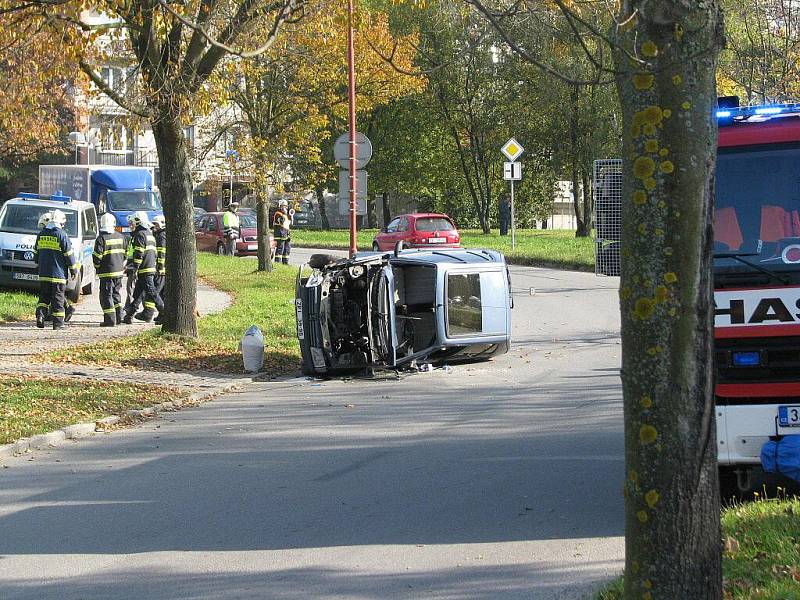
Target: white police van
{"points": [[19, 218]]}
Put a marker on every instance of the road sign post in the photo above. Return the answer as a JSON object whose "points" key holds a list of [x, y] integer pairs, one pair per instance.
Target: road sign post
{"points": [[512, 171]]}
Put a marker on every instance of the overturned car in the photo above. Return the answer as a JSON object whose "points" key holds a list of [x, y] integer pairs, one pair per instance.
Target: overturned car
{"points": [[390, 310]]}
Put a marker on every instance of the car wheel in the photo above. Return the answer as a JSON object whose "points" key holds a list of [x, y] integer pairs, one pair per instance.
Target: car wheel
{"points": [[318, 261], [220, 249], [375, 247]]}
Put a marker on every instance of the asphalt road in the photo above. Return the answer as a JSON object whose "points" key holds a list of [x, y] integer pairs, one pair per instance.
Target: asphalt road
{"points": [[494, 480]]}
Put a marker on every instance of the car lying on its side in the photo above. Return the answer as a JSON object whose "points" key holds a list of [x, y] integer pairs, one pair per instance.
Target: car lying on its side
{"points": [[388, 310]]}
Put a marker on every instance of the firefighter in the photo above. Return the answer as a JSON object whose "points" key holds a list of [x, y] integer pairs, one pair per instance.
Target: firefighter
{"points": [[230, 228], [130, 269], [109, 261], [144, 261], [53, 252], [281, 222], [160, 234]]}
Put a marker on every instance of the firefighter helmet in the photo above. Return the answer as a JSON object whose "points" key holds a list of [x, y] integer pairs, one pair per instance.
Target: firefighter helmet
{"points": [[45, 219], [158, 222], [139, 218], [107, 223], [59, 218]]}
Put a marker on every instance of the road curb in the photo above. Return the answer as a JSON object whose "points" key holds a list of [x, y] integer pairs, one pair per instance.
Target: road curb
{"points": [[111, 423]]}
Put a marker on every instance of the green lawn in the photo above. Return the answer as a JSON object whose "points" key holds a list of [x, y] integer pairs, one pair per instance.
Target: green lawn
{"points": [[16, 306], [762, 557], [263, 299], [31, 405], [552, 248]]}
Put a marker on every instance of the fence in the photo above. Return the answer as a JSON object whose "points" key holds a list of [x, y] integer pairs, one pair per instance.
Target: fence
{"points": [[608, 216]]}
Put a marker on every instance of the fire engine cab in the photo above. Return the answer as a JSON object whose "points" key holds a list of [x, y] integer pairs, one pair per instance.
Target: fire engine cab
{"points": [[756, 283]]}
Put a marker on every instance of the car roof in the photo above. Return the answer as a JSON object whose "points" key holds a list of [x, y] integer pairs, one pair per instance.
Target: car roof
{"points": [[423, 216], [54, 204]]}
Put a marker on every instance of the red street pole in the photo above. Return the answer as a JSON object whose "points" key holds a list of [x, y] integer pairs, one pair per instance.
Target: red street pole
{"points": [[351, 76]]}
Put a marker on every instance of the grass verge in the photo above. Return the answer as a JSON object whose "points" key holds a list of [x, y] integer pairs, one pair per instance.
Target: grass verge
{"points": [[16, 306], [31, 405], [262, 299], [535, 247], [761, 560]]}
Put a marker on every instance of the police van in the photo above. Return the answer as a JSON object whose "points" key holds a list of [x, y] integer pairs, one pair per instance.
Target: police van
{"points": [[19, 219]]}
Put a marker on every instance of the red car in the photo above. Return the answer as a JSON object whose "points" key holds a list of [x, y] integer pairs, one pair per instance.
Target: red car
{"points": [[418, 230], [209, 235]]}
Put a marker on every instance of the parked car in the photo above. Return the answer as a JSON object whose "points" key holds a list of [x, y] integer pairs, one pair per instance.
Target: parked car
{"points": [[387, 310], [418, 230], [209, 235]]}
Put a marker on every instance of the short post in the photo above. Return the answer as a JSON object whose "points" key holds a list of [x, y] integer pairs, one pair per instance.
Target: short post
{"points": [[513, 226]]}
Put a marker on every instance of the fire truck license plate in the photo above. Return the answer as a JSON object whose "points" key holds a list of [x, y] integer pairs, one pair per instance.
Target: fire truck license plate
{"points": [[789, 416]]}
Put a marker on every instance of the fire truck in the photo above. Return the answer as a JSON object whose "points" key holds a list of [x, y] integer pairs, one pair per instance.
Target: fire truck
{"points": [[756, 280]]}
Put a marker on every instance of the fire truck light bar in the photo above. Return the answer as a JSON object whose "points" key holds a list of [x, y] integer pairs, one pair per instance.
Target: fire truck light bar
{"points": [[743, 112]]}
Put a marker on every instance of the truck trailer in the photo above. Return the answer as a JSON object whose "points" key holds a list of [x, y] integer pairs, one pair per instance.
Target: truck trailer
{"points": [[112, 189]]}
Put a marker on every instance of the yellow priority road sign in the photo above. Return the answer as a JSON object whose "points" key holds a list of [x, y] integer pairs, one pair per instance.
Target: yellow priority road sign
{"points": [[512, 149]]}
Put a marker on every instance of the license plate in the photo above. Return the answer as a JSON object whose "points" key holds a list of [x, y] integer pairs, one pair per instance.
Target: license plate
{"points": [[437, 240], [252, 246], [789, 416], [298, 304], [26, 276]]}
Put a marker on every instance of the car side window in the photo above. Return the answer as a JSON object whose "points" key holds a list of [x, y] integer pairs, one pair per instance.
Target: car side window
{"points": [[89, 224], [403, 226], [392, 227], [212, 223]]}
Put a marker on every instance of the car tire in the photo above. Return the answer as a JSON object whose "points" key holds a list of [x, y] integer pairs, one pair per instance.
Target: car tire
{"points": [[220, 249], [318, 261], [375, 247]]}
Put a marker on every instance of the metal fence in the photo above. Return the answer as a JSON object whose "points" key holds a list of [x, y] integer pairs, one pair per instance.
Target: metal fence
{"points": [[608, 216]]}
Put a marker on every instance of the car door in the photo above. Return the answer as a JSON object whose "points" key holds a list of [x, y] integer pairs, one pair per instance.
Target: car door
{"points": [[402, 232], [200, 234], [214, 236], [387, 238]]}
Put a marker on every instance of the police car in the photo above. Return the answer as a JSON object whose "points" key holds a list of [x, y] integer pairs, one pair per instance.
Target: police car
{"points": [[19, 219]]}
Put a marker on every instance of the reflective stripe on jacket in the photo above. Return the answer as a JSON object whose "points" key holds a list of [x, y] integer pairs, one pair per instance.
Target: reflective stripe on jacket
{"points": [[144, 251], [54, 254], [161, 251], [109, 254]]}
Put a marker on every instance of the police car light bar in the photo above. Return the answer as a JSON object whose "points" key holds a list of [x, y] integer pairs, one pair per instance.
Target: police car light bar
{"points": [[58, 197], [729, 114]]}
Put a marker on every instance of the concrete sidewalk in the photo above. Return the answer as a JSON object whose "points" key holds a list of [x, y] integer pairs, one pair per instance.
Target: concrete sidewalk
{"points": [[20, 342]]}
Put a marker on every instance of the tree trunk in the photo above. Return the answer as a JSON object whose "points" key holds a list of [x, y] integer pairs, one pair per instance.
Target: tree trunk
{"points": [[262, 229], [372, 217], [580, 220], [669, 145], [323, 213], [176, 194], [588, 208]]}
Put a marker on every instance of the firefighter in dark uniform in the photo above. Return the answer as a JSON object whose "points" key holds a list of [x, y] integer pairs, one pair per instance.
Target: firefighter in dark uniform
{"points": [[144, 261], [160, 235], [109, 262], [130, 271], [53, 252], [281, 222]]}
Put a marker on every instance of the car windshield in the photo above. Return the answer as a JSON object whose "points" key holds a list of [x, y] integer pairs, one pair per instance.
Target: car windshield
{"points": [[434, 224], [134, 200], [24, 218], [247, 221], [757, 210]]}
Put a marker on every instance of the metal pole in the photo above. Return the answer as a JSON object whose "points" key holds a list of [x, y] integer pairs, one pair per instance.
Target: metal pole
{"points": [[230, 200], [513, 226], [351, 79]]}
